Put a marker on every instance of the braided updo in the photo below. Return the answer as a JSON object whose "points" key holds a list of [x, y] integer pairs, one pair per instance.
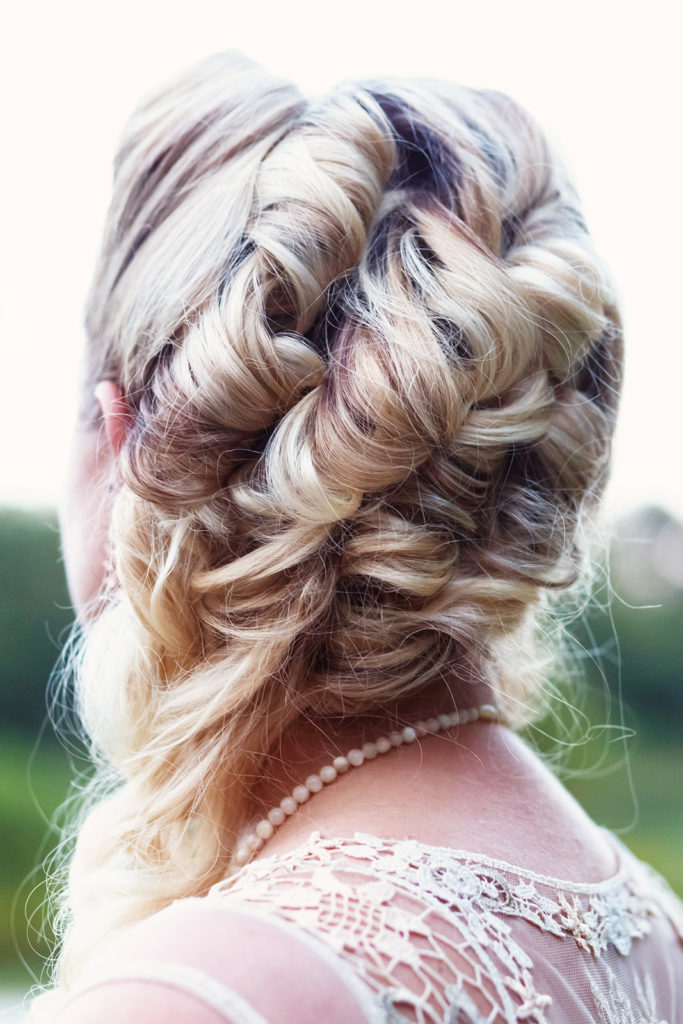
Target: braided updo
{"points": [[372, 364]]}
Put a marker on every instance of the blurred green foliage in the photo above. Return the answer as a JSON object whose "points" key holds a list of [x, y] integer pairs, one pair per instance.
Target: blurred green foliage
{"points": [[628, 647], [35, 613], [34, 781]]}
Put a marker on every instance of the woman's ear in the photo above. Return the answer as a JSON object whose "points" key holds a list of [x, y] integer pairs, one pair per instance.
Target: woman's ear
{"points": [[115, 413]]}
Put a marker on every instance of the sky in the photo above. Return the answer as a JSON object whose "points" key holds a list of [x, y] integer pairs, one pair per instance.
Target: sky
{"points": [[600, 77]]}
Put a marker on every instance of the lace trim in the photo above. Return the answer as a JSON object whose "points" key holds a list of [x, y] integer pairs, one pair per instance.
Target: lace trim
{"points": [[618, 909], [426, 928], [625, 859]]}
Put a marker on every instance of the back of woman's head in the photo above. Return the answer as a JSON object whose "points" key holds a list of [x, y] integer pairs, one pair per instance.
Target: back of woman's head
{"points": [[371, 362]]}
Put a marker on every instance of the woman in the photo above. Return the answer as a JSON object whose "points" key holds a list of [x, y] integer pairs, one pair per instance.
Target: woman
{"points": [[351, 380]]}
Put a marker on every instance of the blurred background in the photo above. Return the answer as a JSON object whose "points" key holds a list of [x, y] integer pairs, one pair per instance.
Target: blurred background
{"points": [[603, 80]]}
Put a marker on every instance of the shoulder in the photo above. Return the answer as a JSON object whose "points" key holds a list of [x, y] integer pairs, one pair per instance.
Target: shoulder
{"points": [[210, 962]]}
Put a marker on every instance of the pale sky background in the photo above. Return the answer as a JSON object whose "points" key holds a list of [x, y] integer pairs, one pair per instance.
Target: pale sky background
{"points": [[601, 77]]}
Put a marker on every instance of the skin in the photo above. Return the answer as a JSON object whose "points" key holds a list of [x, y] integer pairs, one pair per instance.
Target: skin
{"points": [[86, 504], [486, 790]]}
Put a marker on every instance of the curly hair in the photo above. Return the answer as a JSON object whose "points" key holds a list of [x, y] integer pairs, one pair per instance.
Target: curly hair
{"points": [[372, 364]]}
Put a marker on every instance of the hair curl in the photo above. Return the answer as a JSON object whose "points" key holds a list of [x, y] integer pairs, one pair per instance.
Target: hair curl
{"points": [[372, 363]]}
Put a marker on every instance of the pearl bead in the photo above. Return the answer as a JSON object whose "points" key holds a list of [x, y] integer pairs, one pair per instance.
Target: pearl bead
{"points": [[383, 745], [421, 729], [445, 721], [328, 773], [396, 739], [487, 712], [300, 794], [241, 856], [264, 829], [355, 758], [370, 751], [276, 815], [409, 734], [313, 783], [252, 843], [432, 724], [341, 764], [288, 804]]}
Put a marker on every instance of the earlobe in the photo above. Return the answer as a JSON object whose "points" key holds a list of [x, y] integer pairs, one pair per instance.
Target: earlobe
{"points": [[115, 413]]}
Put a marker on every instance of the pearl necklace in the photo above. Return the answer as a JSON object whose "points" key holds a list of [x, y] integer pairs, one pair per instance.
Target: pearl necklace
{"points": [[354, 758]]}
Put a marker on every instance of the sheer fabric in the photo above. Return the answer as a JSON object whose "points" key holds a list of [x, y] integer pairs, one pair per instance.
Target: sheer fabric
{"points": [[429, 935]]}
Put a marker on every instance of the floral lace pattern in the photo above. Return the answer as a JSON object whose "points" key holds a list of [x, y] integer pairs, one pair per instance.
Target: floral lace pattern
{"points": [[443, 937]]}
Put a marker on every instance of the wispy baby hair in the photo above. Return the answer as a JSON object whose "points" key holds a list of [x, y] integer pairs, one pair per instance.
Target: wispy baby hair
{"points": [[371, 361]]}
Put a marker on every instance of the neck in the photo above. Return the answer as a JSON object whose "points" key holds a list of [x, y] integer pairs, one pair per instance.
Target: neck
{"points": [[311, 744]]}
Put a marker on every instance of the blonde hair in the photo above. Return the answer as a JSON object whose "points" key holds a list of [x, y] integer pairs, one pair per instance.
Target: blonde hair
{"points": [[372, 364]]}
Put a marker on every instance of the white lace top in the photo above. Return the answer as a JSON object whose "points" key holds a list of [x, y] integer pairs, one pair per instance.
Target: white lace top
{"points": [[430, 935]]}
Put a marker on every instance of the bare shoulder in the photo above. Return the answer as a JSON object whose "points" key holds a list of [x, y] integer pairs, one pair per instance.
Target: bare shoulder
{"points": [[209, 962]]}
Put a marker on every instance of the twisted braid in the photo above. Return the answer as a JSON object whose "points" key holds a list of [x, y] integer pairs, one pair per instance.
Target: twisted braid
{"points": [[372, 362]]}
